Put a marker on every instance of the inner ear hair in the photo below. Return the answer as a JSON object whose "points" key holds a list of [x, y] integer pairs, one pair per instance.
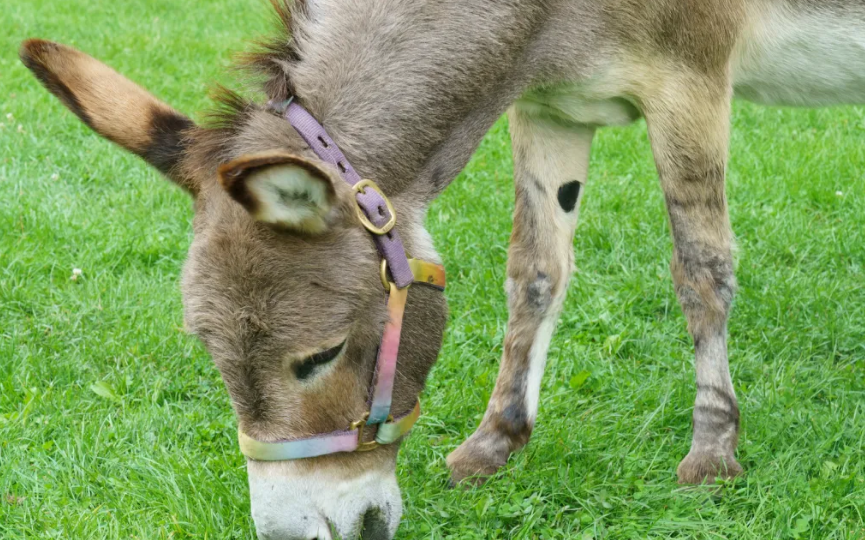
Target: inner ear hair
{"points": [[281, 189]]}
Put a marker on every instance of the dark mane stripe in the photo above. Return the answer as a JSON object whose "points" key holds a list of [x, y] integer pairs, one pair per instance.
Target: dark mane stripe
{"points": [[266, 63], [271, 55]]}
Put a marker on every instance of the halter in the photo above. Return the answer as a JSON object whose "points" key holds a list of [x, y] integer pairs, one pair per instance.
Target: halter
{"points": [[398, 272]]}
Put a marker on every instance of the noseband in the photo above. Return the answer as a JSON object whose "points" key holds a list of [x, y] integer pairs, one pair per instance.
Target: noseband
{"points": [[398, 272]]}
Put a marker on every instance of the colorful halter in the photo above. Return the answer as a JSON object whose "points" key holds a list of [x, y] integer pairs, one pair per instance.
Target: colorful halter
{"points": [[398, 272]]}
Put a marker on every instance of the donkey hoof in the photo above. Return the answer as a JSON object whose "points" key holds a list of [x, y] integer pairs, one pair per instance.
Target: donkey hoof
{"points": [[699, 468], [477, 459]]}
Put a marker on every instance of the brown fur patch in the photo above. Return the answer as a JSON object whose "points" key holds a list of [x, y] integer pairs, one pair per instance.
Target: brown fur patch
{"points": [[113, 106], [699, 33], [35, 54]]}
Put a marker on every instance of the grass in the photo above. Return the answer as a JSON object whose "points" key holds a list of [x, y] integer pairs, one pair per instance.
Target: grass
{"points": [[114, 424]]}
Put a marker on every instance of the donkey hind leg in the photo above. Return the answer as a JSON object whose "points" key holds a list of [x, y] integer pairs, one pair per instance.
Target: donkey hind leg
{"points": [[550, 167], [688, 123]]}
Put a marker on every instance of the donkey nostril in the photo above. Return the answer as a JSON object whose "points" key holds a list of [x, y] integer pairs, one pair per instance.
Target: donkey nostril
{"points": [[322, 532], [374, 526]]}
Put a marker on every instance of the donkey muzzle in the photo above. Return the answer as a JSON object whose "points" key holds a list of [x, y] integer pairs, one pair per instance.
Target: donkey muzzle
{"points": [[291, 501]]}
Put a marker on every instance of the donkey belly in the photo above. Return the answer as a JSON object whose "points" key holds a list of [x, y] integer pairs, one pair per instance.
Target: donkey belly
{"points": [[802, 54]]}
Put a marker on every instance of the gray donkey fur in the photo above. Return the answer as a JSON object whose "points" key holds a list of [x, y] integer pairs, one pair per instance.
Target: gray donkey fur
{"points": [[408, 88]]}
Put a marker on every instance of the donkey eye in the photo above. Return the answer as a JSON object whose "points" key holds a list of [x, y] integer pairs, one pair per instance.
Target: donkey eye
{"points": [[305, 368]]}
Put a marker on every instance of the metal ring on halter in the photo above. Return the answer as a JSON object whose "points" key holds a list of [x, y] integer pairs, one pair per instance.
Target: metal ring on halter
{"points": [[359, 426], [383, 275]]}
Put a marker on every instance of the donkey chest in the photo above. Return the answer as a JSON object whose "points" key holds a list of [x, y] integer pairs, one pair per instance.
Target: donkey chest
{"points": [[580, 103]]}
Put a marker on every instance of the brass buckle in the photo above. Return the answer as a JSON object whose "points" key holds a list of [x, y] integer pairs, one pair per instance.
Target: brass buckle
{"points": [[369, 225], [359, 425]]}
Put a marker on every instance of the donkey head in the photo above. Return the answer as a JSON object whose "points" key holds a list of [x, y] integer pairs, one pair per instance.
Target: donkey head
{"points": [[282, 285]]}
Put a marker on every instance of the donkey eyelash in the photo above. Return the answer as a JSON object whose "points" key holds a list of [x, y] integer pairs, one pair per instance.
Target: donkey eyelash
{"points": [[303, 370]]}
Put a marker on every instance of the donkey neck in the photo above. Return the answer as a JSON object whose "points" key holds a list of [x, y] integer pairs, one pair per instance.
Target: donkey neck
{"points": [[408, 88]]}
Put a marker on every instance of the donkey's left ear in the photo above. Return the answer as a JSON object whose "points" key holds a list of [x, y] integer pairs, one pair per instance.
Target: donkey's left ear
{"points": [[113, 106], [285, 190]]}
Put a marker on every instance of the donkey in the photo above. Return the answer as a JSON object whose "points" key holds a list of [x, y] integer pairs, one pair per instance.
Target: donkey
{"points": [[282, 282]]}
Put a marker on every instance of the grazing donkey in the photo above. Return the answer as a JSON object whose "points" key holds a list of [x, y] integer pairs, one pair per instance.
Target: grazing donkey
{"points": [[283, 282]]}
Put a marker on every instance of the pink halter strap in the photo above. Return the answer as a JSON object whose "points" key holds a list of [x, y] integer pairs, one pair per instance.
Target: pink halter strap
{"points": [[398, 272]]}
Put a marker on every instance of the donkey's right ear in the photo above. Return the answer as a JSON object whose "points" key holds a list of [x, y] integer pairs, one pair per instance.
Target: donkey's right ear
{"points": [[112, 105], [288, 191]]}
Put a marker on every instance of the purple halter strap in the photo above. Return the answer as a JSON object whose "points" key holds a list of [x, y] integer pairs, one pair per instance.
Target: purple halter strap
{"points": [[397, 273], [371, 201]]}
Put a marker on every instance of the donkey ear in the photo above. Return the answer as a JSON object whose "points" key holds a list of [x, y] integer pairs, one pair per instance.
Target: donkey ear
{"points": [[112, 105], [285, 190]]}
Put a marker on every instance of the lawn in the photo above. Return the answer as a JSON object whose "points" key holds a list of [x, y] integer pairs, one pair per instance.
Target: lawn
{"points": [[115, 424]]}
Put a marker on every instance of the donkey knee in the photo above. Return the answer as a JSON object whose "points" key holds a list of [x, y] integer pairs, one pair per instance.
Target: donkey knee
{"points": [[705, 285], [532, 293]]}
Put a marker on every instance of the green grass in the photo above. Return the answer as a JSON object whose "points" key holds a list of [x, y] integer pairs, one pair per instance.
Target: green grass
{"points": [[114, 424]]}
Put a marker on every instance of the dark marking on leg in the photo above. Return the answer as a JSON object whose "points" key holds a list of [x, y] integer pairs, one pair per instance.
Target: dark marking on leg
{"points": [[703, 276], [721, 394], [568, 194], [678, 206], [514, 419], [539, 293], [526, 225], [717, 415]]}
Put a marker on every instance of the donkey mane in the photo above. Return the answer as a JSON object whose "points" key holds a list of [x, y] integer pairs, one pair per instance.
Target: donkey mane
{"points": [[266, 64], [273, 54]]}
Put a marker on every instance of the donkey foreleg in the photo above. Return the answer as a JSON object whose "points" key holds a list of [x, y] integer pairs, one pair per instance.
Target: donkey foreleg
{"points": [[688, 121], [550, 167]]}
